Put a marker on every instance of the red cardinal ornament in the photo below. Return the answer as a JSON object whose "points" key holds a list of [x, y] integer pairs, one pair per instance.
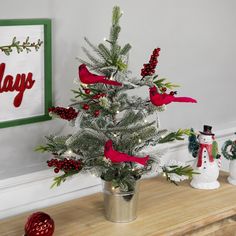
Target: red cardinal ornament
{"points": [[117, 157], [159, 99], [87, 77], [39, 223]]}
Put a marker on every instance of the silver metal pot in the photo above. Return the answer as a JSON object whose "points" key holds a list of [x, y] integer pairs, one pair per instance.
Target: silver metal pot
{"points": [[120, 207]]}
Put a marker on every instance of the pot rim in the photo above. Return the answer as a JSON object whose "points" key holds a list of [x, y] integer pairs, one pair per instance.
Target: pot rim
{"points": [[117, 192]]}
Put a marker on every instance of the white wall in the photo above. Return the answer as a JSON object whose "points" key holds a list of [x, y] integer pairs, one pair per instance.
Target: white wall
{"points": [[197, 39]]}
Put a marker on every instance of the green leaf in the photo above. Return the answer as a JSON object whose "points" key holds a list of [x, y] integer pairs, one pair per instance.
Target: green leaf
{"points": [[41, 149], [160, 83]]}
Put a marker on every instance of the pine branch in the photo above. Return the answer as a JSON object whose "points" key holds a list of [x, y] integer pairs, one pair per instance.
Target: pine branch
{"points": [[54, 144], [95, 49], [116, 15], [130, 118], [133, 128], [93, 59], [152, 140], [175, 136], [178, 170], [87, 63], [125, 49], [57, 181], [105, 51], [114, 34]]}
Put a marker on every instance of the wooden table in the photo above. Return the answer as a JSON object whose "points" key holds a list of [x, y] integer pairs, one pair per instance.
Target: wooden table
{"points": [[164, 209]]}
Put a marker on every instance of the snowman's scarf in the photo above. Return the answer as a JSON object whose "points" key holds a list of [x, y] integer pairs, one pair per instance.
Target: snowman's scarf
{"points": [[209, 150]]}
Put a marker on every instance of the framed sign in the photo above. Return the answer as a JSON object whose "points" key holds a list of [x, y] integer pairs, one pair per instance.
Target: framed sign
{"points": [[25, 71]]}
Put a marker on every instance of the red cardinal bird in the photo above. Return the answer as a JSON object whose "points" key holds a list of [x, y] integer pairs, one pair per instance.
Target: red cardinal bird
{"points": [[159, 99], [117, 157], [87, 77]]}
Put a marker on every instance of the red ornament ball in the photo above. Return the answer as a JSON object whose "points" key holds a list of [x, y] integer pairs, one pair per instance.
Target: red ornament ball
{"points": [[39, 223]]}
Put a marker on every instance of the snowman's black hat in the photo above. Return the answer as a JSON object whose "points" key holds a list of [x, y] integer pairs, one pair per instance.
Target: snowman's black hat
{"points": [[207, 130]]}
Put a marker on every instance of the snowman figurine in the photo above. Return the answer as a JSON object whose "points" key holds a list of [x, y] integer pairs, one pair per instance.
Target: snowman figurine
{"points": [[204, 148]]}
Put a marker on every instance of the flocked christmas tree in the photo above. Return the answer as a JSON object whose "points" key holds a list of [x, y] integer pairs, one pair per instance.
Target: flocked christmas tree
{"points": [[111, 127]]}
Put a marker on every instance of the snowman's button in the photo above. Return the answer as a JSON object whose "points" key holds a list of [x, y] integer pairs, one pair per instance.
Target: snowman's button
{"points": [[205, 162], [204, 167]]}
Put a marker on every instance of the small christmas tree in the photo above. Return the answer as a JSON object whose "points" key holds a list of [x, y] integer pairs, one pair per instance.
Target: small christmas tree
{"points": [[111, 127]]}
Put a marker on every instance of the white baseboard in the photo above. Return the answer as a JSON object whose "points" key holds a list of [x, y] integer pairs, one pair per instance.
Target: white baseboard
{"points": [[32, 191]]}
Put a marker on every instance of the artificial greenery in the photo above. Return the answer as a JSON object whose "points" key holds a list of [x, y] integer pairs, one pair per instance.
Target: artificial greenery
{"points": [[21, 46], [179, 170], [193, 145], [122, 118], [175, 136], [229, 149]]}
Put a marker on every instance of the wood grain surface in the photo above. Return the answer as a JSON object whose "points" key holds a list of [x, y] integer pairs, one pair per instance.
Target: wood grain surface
{"points": [[164, 209]]}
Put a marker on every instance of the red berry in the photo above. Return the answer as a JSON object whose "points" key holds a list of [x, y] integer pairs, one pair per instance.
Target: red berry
{"points": [[163, 89], [87, 91], [97, 96], [56, 170], [50, 164], [85, 106], [172, 93], [96, 113]]}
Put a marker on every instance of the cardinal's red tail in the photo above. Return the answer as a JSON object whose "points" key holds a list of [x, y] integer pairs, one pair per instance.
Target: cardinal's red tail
{"points": [[111, 82], [184, 99], [140, 160]]}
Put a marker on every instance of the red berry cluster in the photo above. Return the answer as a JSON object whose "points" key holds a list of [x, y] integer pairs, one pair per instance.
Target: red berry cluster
{"points": [[64, 113], [149, 68], [65, 165]]}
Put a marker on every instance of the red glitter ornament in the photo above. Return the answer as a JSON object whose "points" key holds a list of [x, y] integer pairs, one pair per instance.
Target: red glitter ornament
{"points": [[39, 223]]}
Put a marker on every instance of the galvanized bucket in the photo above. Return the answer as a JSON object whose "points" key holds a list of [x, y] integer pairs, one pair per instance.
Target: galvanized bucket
{"points": [[120, 207]]}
